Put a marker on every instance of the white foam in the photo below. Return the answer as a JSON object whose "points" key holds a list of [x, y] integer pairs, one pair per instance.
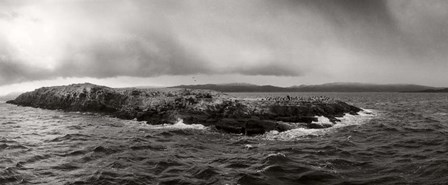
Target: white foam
{"points": [[178, 125], [348, 119], [181, 125], [321, 120]]}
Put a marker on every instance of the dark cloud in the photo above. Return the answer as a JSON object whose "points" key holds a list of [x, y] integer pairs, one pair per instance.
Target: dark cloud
{"points": [[284, 38], [366, 26], [13, 72], [141, 57], [149, 38], [423, 27], [272, 69]]}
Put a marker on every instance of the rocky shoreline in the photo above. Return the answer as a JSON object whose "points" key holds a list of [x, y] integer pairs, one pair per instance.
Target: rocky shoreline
{"points": [[210, 108]]}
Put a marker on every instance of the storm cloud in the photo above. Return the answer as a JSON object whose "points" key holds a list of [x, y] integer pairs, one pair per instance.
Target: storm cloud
{"points": [[47, 39]]}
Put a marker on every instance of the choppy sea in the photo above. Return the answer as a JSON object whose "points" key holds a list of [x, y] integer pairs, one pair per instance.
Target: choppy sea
{"points": [[400, 138]]}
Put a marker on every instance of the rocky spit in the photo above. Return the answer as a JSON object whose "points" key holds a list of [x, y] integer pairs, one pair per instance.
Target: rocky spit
{"points": [[210, 108]]}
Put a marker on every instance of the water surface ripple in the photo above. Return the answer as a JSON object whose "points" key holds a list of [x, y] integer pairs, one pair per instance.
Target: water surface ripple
{"points": [[404, 143]]}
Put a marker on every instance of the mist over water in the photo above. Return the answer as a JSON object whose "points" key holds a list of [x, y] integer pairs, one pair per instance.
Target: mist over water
{"points": [[402, 141]]}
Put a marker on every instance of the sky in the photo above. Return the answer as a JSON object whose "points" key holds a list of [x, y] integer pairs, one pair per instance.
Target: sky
{"points": [[170, 42]]}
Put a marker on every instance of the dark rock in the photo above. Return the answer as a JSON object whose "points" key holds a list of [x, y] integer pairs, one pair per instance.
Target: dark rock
{"points": [[210, 108]]}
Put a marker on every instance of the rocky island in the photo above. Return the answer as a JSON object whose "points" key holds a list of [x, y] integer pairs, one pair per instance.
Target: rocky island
{"points": [[210, 108]]}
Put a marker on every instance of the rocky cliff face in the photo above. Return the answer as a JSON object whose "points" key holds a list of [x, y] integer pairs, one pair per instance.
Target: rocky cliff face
{"points": [[210, 108]]}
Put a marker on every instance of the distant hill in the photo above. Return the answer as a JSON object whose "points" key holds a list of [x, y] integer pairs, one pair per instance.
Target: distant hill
{"points": [[236, 87], [328, 87], [444, 90], [360, 87]]}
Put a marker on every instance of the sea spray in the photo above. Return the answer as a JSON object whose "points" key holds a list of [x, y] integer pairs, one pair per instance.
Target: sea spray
{"points": [[346, 120], [178, 125]]}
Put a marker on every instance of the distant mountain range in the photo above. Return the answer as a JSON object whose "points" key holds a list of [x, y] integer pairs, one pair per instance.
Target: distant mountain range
{"points": [[443, 90], [328, 87]]}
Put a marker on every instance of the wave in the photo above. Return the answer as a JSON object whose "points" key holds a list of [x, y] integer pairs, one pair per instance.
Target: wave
{"points": [[9, 123], [71, 137], [177, 126], [346, 120], [11, 175]]}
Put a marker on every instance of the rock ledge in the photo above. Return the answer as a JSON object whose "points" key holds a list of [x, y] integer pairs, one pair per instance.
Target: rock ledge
{"points": [[210, 108]]}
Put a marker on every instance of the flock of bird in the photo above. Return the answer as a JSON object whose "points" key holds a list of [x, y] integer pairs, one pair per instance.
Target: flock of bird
{"points": [[296, 99]]}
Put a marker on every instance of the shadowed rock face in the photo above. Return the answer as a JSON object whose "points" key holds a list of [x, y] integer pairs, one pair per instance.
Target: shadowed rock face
{"points": [[167, 105]]}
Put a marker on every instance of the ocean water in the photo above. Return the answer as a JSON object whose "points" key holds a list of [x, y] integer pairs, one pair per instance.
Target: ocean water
{"points": [[400, 138]]}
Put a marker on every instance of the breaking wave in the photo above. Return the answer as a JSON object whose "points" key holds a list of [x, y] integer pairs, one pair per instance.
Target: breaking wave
{"points": [[363, 117], [178, 125]]}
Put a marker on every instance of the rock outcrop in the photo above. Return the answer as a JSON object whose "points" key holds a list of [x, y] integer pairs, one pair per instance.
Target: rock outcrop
{"points": [[210, 108]]}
